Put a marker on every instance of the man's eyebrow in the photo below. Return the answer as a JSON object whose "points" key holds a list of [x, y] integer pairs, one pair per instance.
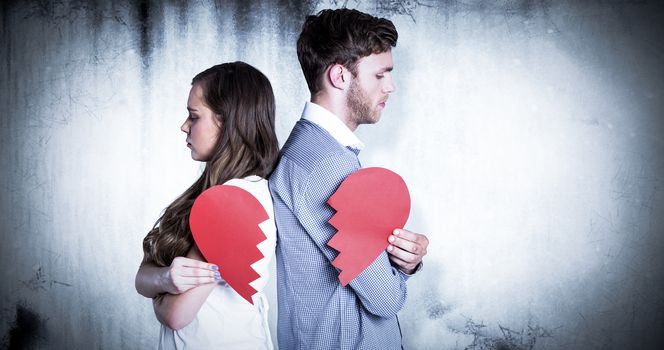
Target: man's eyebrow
{"points": [[191, 109], [386, 69]]}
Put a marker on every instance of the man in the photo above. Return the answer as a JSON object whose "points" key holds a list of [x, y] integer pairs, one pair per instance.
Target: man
{"points": [[347, 62]]}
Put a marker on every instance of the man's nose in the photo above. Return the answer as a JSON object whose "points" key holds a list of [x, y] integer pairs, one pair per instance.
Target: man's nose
{"points": [[389, 86]]}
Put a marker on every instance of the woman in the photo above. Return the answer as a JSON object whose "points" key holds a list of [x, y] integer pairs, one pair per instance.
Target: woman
{"points": [[230, 126]]}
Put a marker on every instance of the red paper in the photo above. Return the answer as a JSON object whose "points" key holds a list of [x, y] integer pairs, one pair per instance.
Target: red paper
{"points": [[370, 204], [224, 222]]}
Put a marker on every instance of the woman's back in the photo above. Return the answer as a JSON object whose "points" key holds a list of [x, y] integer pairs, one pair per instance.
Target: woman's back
{"points": [[226, 320]]}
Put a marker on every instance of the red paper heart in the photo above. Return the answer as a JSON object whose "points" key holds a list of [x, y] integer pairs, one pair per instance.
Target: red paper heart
{"points": [[370, 204], [224, 222]]}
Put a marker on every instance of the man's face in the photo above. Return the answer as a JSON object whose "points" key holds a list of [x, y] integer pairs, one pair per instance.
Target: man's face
{"points": [[369, 90]]}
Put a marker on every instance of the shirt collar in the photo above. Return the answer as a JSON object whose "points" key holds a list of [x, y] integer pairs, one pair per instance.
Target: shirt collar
{"points": [[332, 124]]}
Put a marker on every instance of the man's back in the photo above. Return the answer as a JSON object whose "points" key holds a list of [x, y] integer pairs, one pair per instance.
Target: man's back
{"points": [[315, 311]]}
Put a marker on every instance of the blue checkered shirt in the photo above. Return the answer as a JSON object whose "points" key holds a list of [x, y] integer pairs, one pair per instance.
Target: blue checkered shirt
{"points": [[315, 310]]}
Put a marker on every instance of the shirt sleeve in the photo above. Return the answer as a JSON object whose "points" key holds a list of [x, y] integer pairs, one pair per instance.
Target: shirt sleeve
{"points": [[381, 288]]}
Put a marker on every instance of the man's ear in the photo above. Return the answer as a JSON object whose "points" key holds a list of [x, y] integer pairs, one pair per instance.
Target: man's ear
{"points": [[338, 76]]}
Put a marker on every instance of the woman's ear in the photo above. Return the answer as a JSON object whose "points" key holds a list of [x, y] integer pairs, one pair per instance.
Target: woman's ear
{"points": [[217, 121]]}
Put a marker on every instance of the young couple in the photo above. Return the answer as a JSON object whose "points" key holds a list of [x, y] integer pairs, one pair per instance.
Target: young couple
{"points": [[346, 59]]}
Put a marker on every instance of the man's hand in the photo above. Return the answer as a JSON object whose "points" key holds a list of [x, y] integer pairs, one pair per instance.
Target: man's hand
{"points": [[407, 249], [186, 273]]}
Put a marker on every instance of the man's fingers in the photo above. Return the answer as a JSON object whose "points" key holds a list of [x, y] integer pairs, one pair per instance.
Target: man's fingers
{"points": [[405, 234], [403, 265], [411, 236], [402, 254], [398, 261], [419, 242], [406, 245]]}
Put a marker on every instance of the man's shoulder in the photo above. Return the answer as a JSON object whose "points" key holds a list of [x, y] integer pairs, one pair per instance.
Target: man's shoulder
{"points": [[308, 145], [310, 153]]}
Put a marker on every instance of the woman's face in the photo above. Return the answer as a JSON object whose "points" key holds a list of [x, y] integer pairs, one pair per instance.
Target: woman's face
{"points": [[202, 127]]}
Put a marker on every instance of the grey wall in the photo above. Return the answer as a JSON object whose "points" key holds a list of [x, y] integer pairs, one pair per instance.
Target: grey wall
{"points": [[529, 132]]}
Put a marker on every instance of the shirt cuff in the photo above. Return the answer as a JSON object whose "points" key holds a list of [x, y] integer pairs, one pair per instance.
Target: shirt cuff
{"points": [[417, 269]]}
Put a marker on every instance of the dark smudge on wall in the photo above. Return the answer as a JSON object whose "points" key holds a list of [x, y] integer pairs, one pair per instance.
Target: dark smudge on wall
{"points": [[91, 98], [26, 331]]}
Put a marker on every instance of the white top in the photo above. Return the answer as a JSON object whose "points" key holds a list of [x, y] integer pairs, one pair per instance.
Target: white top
{"points": [[226, 320], [332, 124]]}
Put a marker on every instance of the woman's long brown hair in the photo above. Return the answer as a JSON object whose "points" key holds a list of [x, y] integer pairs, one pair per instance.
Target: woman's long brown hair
{"points": [[242, 99]]}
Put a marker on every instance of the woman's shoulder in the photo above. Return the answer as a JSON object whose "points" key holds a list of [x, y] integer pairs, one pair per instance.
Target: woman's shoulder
{"points": [[249, 181], [253, 184]]}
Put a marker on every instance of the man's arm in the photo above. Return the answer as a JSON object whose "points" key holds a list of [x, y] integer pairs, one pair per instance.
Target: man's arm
{"points": [[177, 311], [381, 288], [407, 249]]}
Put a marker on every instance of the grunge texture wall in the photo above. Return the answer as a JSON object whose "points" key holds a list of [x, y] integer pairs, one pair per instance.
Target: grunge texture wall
{"points": [[529, 132]]}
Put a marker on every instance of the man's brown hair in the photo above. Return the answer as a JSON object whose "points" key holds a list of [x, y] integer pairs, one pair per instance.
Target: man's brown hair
{"points": [[341, 36]]}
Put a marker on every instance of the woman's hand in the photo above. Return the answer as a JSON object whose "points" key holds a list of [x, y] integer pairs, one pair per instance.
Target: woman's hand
{"points": [[183, 274], [186, 273], [189, 281]]}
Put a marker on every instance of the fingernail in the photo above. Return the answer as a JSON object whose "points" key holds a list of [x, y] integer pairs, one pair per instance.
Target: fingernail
{"points": [[391, 239], [217, 278], [216, 274], [395, 232], [214, 267], [389, 248]]}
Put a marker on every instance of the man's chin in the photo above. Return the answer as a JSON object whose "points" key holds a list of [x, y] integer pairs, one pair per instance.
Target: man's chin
{"points": [[375, 119], [369, 121]]}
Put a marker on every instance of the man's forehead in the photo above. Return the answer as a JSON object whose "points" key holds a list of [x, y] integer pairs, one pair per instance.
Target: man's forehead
{"points": [[377, 62]]}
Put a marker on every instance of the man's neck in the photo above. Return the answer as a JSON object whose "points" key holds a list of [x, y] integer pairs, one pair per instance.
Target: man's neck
{"points": [[338, 108]]}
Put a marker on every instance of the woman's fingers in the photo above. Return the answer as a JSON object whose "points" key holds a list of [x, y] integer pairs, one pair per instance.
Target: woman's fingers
{"points": [[186, 273]]}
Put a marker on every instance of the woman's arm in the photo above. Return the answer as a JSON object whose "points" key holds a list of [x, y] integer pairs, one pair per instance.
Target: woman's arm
{"points": [[183, 274], [177, 311]]}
